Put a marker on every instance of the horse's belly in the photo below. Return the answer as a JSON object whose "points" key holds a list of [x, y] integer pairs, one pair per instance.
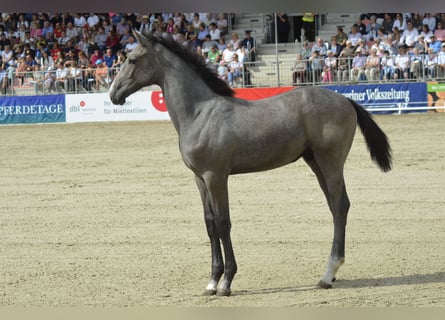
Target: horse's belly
{"points": [[253, 160]]}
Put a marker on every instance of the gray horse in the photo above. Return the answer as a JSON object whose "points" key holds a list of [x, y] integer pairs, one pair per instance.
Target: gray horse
{"points": [[220, 135]]}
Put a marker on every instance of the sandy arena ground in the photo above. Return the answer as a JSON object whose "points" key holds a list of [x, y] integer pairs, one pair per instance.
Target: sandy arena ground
{"points": [[107, 215]]}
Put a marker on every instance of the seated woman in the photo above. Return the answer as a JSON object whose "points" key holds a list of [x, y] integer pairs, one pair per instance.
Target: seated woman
{"points": [[235, 70], [101, 74], [299, 70]]}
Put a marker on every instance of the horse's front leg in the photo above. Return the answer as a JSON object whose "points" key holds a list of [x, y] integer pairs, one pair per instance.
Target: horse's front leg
{"points": [[220, 219], [217, 259]]}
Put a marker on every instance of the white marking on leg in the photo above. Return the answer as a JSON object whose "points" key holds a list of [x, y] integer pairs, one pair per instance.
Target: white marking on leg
{"points": [[331, 269], [212, 285]]}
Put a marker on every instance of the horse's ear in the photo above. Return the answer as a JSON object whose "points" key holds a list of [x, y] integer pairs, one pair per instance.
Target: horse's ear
{"points": [[141, 39]]}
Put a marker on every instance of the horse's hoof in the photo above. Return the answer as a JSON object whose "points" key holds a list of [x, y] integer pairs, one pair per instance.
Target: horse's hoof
{"points": [[208, 293], [333, 279], [223, 292], [324, 285]]}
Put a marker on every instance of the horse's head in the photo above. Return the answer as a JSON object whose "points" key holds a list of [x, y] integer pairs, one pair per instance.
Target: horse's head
{"points": [[138, 70]]}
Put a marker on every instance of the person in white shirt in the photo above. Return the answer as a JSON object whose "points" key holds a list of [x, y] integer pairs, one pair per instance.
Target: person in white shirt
{"points": [[131, 44], [409, 35], [92, 20], [214, 32], [430, 21]]}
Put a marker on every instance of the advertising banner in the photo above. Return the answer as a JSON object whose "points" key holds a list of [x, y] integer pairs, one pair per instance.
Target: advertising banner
{"points": [[142, 105], [387, 98], [32, 109], [436, 96]]}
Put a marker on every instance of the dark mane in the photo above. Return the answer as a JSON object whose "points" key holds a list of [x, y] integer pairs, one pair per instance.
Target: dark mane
{"points": [[195, 61]]}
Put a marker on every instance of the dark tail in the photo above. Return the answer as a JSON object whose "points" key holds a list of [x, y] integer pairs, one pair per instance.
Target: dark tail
{"points": [[375, 138]]}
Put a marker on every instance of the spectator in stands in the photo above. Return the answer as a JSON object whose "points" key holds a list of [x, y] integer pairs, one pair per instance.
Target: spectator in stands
{"points": [[113, 40], [47, 27], [83, 60], [208, 43], [74, 77], [130, 45], [387, 66], [344, 61], [227, 54], [222, 24], [387, 23], [170, 26], [372, 66], [435, 44], [329, 67], [71, 31], [430, 64], [196, 22], [35, 29], [222, 45], [399, 23], [46, 60], [249, 44], [235, 70], [402, 64], [391, 45], [426, 32], [93, 20], [439, 33], [335, 47], [102, 77], [109, 58], [361, 25], [421, 44], [316, 63], [358, 66], [409, 35], [123, 40], [63, 40], [22, 22], [222, 71], [119, 60], [79, 22], [341, 36], [416, 64], [144, 26], [320, 46], [354, 35], [283, 27], [214, 32], [417, 22], [100, 38], [430, 20], [7, 55], [373, 24], [95, 56], [122, 26], [58, 31], [202, 32], [441, 62], [60, 82], [299, 70], [235, 41]]}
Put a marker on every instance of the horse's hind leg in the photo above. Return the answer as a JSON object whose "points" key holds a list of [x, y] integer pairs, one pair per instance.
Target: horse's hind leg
{"points": [[329, 173], [217, 259]]}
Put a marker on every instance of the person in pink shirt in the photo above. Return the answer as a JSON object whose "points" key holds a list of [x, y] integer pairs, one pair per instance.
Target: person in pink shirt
{"points": [[440, 32]]}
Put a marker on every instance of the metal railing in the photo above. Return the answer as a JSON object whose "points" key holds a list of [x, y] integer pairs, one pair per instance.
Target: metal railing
{"points": [[268, 73]]}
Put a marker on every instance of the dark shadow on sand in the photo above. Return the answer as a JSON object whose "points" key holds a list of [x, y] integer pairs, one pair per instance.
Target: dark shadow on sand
{"points": [[437, 277]]}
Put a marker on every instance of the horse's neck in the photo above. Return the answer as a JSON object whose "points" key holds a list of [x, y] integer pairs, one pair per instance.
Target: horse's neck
{"points": [[185, 94]]}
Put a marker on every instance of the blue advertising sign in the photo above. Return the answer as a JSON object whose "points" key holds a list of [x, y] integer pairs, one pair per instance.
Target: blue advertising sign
{"points": [[387, 98], [32, 109]]}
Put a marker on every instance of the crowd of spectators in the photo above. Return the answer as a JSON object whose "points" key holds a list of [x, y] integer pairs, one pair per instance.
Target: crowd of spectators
{"points": [[77, 51], [378, 47]]}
